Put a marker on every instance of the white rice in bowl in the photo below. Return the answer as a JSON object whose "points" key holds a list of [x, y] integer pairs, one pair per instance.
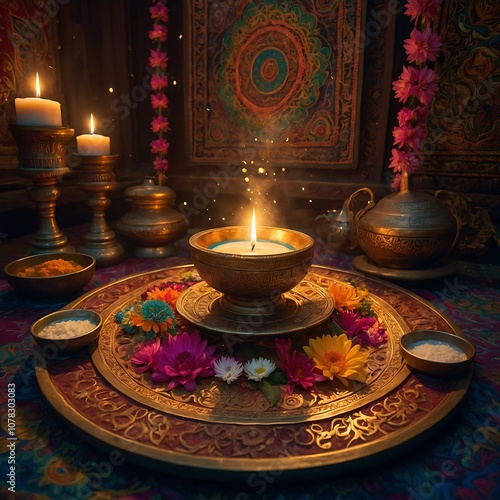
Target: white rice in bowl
{"points": [[68, 329], [435, 350]]}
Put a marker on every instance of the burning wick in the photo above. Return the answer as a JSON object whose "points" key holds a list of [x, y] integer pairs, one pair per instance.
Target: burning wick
{"points": [[253, 235]]}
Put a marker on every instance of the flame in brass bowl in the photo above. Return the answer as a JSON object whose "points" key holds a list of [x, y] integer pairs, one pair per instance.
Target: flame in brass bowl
{"points": [[243, 278]]}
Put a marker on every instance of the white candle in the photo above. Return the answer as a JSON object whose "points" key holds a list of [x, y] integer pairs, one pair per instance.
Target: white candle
{"points": [[93, 144], [37, 112], [252, 246], [262, 247]]}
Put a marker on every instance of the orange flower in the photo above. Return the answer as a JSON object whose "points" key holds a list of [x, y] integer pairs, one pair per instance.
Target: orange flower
{"points": [[346, 296], [148, 325], [168, 295]]}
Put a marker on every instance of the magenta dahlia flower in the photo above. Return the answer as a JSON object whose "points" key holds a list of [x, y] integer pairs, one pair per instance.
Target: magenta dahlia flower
{"points": [[182, 359], [143, 359]]}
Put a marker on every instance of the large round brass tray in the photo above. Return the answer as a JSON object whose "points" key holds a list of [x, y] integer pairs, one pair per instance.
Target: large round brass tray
{"points": [[215, 433]]}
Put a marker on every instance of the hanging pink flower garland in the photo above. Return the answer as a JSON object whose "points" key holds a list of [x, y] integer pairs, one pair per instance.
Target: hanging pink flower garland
{"points": [[158, 60], [417, 84]]}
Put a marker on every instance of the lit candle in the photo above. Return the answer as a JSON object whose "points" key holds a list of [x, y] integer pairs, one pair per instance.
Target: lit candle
{"points": [[92, 144], [37, 112], [252, 246]]}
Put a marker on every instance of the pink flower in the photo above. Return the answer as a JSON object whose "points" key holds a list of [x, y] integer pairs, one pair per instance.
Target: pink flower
{"points": [[158, 58], [160, 124], [361, 329], [405, 116], [409, 136], [402, 160], [298, 367], [159, 146], [159, 12], [422, 46], [426, 85], [160, 164], [182, 359], [159, 101], [158, 33], [144, 355], [159, 82], [428, 9], [404, 86]]}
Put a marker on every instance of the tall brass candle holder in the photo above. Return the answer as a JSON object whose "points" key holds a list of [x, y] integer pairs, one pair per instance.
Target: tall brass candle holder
{"points": [[42, 159], [97, 179]]}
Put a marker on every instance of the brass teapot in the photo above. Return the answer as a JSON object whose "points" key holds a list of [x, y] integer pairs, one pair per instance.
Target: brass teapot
{"points": [[407, 230], [336, 228]]}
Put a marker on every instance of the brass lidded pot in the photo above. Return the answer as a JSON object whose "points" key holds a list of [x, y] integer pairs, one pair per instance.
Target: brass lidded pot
{"points": [[406, 230], [152, 225]]}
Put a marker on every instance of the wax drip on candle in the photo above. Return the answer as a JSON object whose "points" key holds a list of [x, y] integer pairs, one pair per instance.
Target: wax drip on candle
{"points": [[253, 235]]}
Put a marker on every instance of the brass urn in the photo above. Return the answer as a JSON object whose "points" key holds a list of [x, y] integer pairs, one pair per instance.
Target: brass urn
{"points": [[406, 230], [152, 225]]}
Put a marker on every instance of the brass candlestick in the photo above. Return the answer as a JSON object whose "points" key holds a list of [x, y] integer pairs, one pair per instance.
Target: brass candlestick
{"points": [[42, 159], [96, 179]]}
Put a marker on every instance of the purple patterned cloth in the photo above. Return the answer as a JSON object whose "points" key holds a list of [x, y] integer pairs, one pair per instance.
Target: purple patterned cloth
{"points": [[461, 460]]}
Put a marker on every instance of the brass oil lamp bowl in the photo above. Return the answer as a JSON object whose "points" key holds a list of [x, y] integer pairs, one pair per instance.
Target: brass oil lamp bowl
{"points": [[251, 278]]}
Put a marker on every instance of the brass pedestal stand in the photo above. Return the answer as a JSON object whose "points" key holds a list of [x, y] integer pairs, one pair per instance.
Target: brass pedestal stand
{"points": [[96, 179], [42, 159]]}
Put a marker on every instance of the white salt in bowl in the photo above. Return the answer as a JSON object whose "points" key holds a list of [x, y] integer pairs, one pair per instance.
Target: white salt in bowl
{"points": [[437, 353], [66, 331]]}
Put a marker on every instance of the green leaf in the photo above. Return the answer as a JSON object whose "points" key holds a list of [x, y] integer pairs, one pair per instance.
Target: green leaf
{"points": [[271, 392], [336, 329], [277, 377]]}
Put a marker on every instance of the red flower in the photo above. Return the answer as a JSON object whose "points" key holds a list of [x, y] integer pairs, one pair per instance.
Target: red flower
{"points": [[159, 82], [159, 101], [160, 124], [298, 367], [159, 12], [158, 59], [182, 359], [158, 33]]}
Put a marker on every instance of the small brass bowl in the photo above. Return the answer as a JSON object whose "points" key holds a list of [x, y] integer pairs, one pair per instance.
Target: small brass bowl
{"points": [[252, 276], [431, 366], [50, 287], [51, 347]]}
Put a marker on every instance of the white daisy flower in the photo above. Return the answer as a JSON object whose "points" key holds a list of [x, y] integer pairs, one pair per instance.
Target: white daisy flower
{"points": [[227, 368], [258, 368]]}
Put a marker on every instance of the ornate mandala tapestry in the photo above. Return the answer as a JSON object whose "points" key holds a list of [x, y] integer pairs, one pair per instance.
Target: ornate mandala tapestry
{"points": [[275, 76]]}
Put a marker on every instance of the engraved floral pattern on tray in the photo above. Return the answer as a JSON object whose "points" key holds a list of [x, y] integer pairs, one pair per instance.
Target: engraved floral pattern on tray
{"points": [[155, 438], [214, 400]]}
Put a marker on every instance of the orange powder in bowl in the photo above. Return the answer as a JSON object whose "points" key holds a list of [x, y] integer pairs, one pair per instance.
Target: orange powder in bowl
{"points": [[53, 267]]}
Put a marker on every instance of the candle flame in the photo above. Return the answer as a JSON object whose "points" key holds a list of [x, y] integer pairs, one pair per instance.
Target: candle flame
{"points": [[253, 234], [37, 86], [91, 123]]}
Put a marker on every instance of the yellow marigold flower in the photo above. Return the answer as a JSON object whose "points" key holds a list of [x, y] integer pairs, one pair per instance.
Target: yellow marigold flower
{"points": [[148, 325], [345, 295], [336, 357]]}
